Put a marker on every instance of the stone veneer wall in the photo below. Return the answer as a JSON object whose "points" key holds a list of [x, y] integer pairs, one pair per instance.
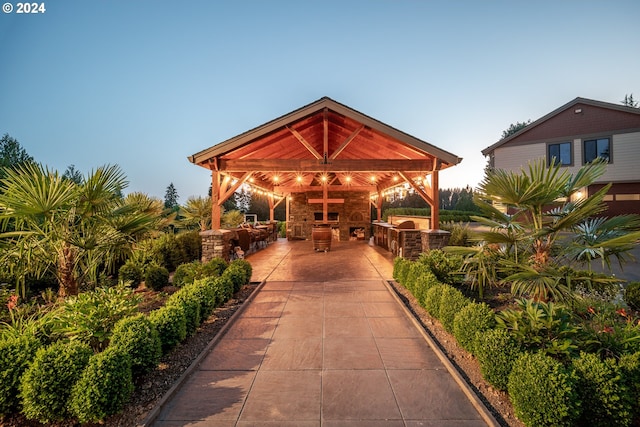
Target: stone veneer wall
{"points": [[353, 213], [216, 244], [434, 239]]}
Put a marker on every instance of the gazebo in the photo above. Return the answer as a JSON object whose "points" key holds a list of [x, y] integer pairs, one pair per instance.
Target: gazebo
{"points": [[328, 163]]}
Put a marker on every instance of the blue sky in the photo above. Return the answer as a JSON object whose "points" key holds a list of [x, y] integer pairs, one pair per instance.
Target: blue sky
{"points": [[144, 84]]}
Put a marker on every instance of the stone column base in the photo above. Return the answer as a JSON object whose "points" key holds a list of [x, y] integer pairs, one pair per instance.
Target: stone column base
{"points": [[216, 244], [434, 239]]}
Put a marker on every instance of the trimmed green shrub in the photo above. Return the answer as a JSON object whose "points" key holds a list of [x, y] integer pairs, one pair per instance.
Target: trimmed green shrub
{"points": [[472, 319], [444, 266], [432, 300], [605, 401], [136, 336], [130, 273], [46, 384], [171, 324], [246, 266], [630, 372], [156, 277], [190, 304], [543, 392], [423, 283], [496, 350], [104, 387], [237, 275], [632, 295], [400, 269], [413, 271], [215, 267], [451, 302], [186, 273], [16, 353], [224, 288]]}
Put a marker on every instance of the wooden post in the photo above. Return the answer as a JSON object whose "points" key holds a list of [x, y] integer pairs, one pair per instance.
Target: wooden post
{"points": [[215, 196], [435, 201]]}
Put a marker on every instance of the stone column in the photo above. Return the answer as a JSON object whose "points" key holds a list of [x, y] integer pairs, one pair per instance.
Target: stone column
{"points": [[434, 239], [216, 244]]}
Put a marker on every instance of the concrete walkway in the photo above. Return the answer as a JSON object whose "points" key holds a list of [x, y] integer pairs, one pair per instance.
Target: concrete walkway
{"points": [[323, 342]]}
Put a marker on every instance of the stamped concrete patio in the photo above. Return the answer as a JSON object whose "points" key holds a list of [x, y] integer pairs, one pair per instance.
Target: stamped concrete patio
{"points": [[323, 342]]}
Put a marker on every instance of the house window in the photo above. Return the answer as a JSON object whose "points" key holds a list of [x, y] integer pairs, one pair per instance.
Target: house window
{"points": [[595, 148], [561, 152]]}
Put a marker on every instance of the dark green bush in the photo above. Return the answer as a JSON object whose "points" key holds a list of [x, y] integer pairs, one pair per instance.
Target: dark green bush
{"points": [[632, 295], [451, 302], [46, 384], [400, 269], [444, 266], [496, 351], [543, 392], [186, 273], [171, 324], [472, 319], [130, 273], [156, 277], [432, 299], [167, 252], [190, 244], [237, 276], [246, 266], [224, 288], [604, 396], [422, 284], [190, 304], [205, 290], [215, 267], [16, 353], [104, 387], [630, 372], [136, 336]]}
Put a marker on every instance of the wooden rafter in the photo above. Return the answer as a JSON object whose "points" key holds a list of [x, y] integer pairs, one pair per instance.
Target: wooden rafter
{"points": [[415, 186], [346, 142], [304, 142], [226, 190]]}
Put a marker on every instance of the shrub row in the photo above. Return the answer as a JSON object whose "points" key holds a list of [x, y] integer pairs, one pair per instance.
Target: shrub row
{"points": [[586, 390], [68, 379]]}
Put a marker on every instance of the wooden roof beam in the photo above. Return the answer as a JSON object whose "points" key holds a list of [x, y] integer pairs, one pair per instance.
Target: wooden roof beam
{"points": [[336, 165]]}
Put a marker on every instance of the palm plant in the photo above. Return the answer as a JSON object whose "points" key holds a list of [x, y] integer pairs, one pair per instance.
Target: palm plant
{"points": [[49, 223], [544, 228], [197, 212]]}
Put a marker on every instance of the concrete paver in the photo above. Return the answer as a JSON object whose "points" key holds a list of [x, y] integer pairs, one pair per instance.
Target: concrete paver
{"points": [[324, 342]]}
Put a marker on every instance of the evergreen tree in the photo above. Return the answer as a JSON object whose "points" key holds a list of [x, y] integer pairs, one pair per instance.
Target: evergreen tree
{"points": [[171, 198], [12, 154], [73, 174], [513, 128], [629, 101]]}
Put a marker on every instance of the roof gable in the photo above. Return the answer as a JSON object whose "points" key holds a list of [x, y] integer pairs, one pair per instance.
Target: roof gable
{"points": [[324, 137], [579, 117]]}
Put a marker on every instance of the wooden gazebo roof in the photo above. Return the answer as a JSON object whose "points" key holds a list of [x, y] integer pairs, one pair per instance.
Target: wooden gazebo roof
{"points": [[324, 142]]}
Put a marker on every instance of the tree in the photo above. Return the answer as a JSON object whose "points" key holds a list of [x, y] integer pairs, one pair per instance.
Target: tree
{"points": [[197, 211], [513, 128], [629, 101], [243, 199], [73, 174], [171, 198], [11, 154], [75, 231]]}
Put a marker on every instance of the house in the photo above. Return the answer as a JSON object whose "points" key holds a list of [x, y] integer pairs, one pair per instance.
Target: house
{"points": [[574, 135]]}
